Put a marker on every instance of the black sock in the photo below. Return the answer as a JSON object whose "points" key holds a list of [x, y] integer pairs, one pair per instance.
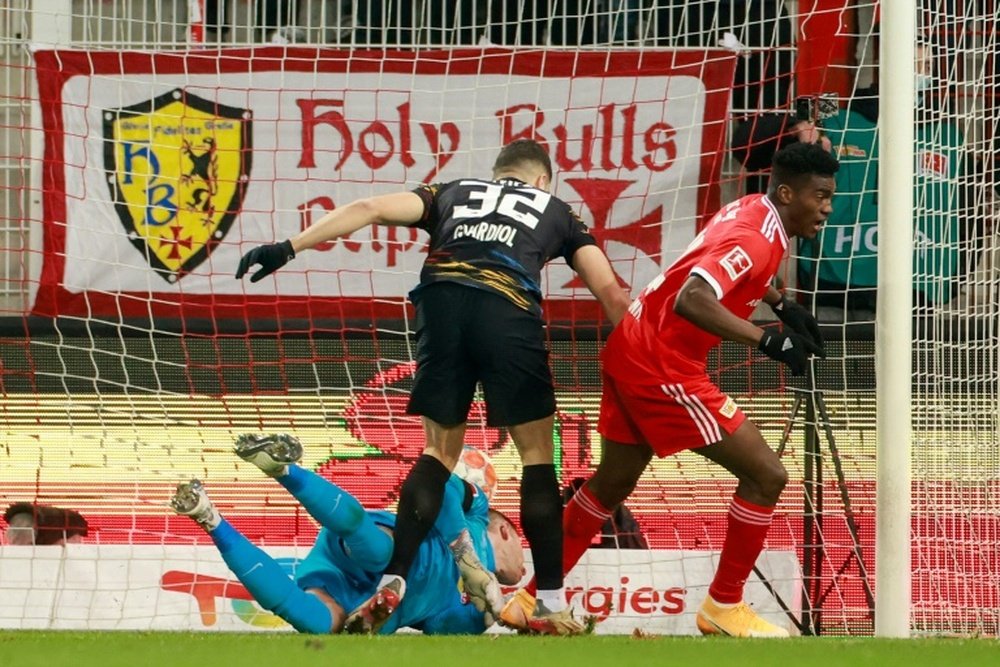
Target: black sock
{"points": [[420, 499], [541, 520]]}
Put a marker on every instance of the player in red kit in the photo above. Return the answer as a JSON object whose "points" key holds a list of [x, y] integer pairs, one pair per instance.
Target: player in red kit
{"points": [[658, 398]]}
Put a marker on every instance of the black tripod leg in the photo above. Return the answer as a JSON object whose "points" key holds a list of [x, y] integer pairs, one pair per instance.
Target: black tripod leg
{"points": [[845, 499]]}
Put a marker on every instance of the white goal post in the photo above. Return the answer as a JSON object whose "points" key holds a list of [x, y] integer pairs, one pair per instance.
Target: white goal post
{"points": [[893, 325]]}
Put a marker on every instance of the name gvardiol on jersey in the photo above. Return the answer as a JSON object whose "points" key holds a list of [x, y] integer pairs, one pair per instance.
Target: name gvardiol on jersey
{"points": [[487, 231]]}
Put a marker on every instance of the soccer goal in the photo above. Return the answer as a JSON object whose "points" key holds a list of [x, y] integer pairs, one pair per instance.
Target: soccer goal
{"points": [[148, 145]]}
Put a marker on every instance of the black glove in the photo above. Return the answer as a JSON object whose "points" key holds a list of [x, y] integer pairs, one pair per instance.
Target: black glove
{"points": [[801, 321], [271, 257], [789, 348]]}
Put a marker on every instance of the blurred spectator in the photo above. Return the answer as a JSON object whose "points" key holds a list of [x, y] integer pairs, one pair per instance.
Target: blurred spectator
{"points": [[840, 265], [503, 22], [384, 23], [763, 76], [621, 531], [273, 21], [216, 20], [398, 23], [564, 22], [454, 22], [622, 23], [590, 22], [518, 22], [29, 523]]}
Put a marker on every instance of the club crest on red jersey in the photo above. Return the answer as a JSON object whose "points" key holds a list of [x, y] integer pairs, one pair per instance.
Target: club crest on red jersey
{"points": [[736, 263]]}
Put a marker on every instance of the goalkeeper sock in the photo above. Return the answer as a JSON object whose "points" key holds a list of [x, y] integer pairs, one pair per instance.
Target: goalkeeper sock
{"points": [[582, 519], [269, 584], [541, 520], [342, 514], [420, 500], [746, 529]]}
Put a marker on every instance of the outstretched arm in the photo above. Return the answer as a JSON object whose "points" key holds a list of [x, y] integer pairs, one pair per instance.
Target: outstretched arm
{"points": [[595, 270], [400, 208]]}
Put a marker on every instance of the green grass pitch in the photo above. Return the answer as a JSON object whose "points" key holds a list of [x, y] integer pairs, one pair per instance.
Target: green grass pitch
{"points": [[134, 649]]}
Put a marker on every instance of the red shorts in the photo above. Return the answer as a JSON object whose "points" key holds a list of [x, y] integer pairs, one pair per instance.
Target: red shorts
{"points": [[677, 415]]}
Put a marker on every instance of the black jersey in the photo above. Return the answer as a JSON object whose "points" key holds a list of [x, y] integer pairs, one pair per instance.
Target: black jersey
{"points": [[497, 236]]}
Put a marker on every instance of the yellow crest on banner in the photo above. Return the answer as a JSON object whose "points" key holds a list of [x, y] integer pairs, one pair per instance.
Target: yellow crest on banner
{"points": [[177, 168]]}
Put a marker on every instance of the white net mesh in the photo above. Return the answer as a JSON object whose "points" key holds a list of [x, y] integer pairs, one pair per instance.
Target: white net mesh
{"points": [[956, 382]]}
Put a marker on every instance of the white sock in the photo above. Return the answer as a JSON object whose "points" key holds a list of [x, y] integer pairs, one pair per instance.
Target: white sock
{"points": [[722, 605], [553, 600], [211, 523], [209, 520]]}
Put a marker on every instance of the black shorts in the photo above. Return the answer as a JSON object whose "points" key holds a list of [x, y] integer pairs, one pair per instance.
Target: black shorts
{"points": [[467, 335]]}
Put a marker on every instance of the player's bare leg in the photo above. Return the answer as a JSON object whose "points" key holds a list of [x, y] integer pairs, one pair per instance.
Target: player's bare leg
{"points": [[592, 505], [620, 468], [618, 472], [762, 477], [541, 519], [444, 442]]}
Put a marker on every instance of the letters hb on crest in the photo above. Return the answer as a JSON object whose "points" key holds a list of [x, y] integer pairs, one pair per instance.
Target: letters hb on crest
{"points": [[177, 168]]}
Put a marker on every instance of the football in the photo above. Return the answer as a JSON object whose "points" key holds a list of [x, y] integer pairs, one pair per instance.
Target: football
{"points": [[475, 466]]}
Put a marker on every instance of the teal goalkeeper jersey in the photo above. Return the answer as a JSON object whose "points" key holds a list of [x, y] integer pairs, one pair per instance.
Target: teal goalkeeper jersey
{"points": [[433, 602]]}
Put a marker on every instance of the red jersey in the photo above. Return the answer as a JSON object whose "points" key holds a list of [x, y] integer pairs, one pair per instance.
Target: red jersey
{"points": [[738, 254]]}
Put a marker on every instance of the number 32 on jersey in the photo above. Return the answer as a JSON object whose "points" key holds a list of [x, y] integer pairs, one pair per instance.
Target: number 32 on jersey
{"points": [[525, 205]]}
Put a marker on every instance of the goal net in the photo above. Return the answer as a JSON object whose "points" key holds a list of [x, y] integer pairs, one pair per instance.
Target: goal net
{"points": [[956, 443], [148, 145]]}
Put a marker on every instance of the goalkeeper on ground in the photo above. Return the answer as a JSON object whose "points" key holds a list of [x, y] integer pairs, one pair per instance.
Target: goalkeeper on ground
{"points": [[344, 566]]}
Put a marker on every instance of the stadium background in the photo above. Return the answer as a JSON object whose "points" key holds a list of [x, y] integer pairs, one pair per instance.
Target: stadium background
{"points": [[106, 414]]}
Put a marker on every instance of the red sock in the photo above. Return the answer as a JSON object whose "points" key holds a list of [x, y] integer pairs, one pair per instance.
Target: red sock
{"points": [[582, 519], [746, 530]]}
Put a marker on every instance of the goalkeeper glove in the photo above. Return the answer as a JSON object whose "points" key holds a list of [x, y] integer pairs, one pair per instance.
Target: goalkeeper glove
{"points": [[789, 348], [800, 320], [271, 257]]}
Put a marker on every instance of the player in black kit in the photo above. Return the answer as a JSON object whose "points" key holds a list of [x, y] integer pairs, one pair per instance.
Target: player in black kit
{"points": [[478, 309]]}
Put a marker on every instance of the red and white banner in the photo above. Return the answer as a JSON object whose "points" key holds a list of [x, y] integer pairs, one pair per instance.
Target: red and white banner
{"points": [[162, 169], [120, 587]]}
